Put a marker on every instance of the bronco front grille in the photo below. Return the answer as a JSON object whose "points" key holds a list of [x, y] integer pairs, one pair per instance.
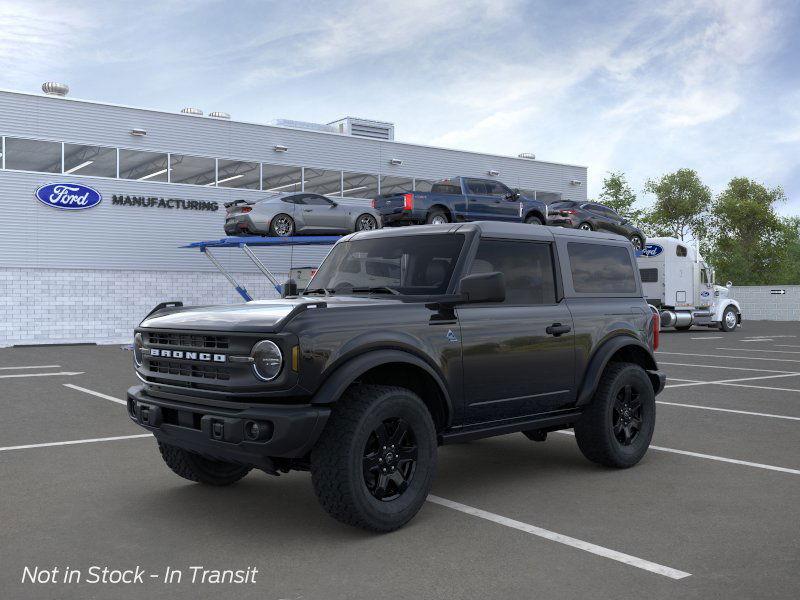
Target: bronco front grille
{"points": [[188, 340], [186, 369]]}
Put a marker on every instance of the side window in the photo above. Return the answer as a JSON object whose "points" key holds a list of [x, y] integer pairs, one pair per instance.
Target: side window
{"points": [[476, 186], [681, 251], [293, 199], [446, 186], [526, 266], [648, 275], [316, 200], [601, 269], [495, 188]]}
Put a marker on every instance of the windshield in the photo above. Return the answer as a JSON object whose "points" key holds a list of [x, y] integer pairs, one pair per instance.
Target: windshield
{"points": [[404, 264]]}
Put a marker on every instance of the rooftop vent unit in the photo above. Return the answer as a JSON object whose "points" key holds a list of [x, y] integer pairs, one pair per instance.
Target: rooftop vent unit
{"points": [[219, 115], [376, 130], [527, 155], [51, 88], [192, 111], [303, 125]]}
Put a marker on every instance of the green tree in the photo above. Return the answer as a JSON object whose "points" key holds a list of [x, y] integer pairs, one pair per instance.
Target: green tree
{"points": [[681, 205], [750, 243], [617, 194]]}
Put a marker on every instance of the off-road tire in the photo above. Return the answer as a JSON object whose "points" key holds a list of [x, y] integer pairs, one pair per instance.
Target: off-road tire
{"points": [[437, 212], [197, 468], [337, 460], [723, 326], [594, 431], [272, 230], [533, 220]]}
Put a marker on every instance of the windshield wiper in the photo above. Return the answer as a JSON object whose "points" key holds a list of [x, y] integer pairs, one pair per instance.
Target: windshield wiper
{"points": [[325, 291], [382, 289]]}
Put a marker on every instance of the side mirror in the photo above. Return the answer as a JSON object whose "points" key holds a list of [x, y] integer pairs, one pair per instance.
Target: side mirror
{"points": [[483, 287], [334, 204], [289, 288]]}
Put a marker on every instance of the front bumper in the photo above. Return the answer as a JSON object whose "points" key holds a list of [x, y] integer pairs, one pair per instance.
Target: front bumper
{"points": [[286, 431]]}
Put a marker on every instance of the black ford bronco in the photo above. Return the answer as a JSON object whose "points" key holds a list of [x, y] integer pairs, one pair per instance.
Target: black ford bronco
{"points": [[407, 339]]}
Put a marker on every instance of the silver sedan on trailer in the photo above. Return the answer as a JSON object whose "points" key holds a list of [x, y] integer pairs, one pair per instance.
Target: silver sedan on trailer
{"points": [[286, 214]]}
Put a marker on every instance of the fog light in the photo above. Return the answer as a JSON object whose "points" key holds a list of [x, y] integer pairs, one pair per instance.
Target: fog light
{"points": [[252, 430]]}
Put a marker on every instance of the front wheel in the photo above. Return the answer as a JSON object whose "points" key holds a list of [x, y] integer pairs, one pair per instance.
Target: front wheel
{"points": [[281, 226], [585, 227], [638, 243], [376, 458], [533, 220], [729, 320], [197, 468], [616, 428]]}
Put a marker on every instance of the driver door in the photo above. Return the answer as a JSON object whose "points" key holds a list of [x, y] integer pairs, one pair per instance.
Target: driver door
{"points": [[322, 214]]}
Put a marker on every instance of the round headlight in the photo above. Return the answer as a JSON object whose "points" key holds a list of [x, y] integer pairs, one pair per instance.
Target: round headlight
{"points": [[267, 360], [138, 343]]}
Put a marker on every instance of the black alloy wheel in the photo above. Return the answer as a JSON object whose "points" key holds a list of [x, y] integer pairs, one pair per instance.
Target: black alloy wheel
{"points": [[390, 459], [366, 223], [627, 415]]}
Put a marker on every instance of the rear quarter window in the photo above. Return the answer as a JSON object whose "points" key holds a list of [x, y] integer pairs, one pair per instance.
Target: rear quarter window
{"points": [[601, 269]]}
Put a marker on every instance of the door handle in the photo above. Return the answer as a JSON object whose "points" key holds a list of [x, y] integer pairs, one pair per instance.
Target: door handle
{"points": [[557, 329], [308, 210]]}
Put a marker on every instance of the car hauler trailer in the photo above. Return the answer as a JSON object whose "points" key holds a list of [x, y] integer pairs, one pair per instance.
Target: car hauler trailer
{"points": [[678, 282]]}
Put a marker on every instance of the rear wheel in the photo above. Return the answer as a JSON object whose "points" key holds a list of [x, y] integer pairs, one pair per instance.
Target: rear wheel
{"points": [[729, 320], [616, 428], [197, 468], [281, 225], [375, 461], [366, 222], [586, 227], [437, 216], [533, 220]]}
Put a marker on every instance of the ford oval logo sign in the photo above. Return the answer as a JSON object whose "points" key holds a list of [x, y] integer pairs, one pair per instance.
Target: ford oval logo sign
{"points": [[651, 250], [68, 196]]}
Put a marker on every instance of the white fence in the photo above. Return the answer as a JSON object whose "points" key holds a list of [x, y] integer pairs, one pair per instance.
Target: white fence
{"points": [[768, 302]]}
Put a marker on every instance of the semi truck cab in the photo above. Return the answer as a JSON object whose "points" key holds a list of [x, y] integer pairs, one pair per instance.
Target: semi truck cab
{"points": [[681, 285]]}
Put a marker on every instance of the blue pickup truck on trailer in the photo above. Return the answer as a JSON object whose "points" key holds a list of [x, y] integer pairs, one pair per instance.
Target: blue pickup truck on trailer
{"points": [[461, 199]]}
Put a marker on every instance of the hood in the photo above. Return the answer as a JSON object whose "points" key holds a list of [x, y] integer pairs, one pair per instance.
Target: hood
{"points": [[257, 316], [720, 291]]}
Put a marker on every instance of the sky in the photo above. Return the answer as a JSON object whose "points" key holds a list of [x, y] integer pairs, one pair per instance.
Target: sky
{"points": [[639, 87]]}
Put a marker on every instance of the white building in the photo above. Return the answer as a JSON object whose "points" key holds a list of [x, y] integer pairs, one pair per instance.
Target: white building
{"points": [[90, 275]]}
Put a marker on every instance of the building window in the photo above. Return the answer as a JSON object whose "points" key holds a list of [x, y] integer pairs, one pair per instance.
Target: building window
{"points": [[423, 185], [237, 174], [144, 166], [280, 178], [33, 155], [321, 181], [359, 185], [396, 185], [194, 170], [96, 161]]}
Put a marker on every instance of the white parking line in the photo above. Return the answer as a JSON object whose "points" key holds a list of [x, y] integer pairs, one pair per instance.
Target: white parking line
{"points": [[757, 340], [761, 387], [739, 357], [93, 393], [31, 367], [787, 346], [733, 461], [711, 337], [730, 410], [759, 350], [15, 375], [672, 364], [562, 539], [72, 442], [731, 381]]}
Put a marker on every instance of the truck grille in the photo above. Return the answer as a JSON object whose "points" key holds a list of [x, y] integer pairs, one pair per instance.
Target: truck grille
{"points": [[188, 340], [186, 369]]}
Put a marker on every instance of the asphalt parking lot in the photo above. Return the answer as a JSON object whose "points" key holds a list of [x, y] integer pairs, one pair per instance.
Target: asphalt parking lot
{"points": [[711, 511]]}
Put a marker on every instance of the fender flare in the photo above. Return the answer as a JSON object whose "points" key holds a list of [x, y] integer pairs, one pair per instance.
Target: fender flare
{"points": [[724, 305], [536, 212], [601, 357], [345, 374]]}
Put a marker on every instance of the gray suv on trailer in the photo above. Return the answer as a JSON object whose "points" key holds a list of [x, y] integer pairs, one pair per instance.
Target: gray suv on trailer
{"points": [[406, 339]]}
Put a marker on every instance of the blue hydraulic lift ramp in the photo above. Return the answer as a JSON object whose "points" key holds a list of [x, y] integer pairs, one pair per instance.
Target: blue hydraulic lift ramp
{"points": [[245, 244]]}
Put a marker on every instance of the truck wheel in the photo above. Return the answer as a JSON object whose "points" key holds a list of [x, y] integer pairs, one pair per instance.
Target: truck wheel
{"points": [[194, 467], [281, 226], [729, 320], [616, 428], [376, 458], [437, 216], [533, 220], [586, 226]]}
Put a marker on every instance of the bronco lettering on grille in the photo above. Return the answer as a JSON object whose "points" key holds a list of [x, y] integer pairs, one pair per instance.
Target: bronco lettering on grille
{"points": [[202, 356]]}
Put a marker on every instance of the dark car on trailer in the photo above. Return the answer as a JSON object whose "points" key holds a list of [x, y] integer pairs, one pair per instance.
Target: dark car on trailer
{"points": [[460, 199], [592, 216], [406, 339]]}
